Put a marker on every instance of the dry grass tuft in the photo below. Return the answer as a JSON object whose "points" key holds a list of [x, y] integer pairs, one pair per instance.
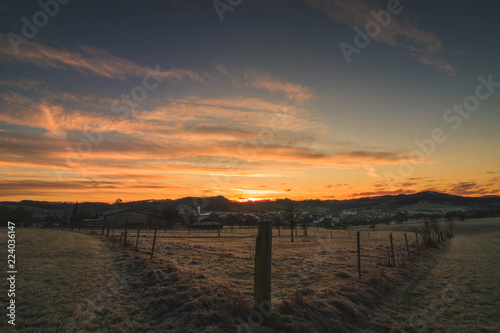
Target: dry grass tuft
{"points": [[343, 275]]}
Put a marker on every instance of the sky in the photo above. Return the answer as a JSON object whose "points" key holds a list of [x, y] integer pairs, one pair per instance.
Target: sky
{"points": [[249, 99]]}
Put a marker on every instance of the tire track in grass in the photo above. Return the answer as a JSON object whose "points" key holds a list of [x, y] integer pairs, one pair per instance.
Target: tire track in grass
{"points": [[116, 307]]}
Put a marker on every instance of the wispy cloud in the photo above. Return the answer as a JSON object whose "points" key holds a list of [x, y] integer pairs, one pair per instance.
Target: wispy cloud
{"points": [[23, 84], [423, 45], [370, 171], [380, 193], [227, 73], [295, 92], [95, 190], [468, 188], [84, 59]]}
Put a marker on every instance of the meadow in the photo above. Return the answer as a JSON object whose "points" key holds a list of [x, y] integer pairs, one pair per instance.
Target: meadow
{"points": [[458, 290], [69, 282], [323, 259], [72, 282]]}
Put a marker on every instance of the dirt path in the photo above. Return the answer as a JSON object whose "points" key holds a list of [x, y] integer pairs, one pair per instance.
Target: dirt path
{"points": [[458, 292]]}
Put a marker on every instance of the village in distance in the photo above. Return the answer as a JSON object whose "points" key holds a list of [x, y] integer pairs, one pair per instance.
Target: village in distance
{"points": [[181, 213]]}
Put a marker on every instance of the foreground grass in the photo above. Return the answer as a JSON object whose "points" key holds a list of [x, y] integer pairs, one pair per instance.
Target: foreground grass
{"points": [[71, 282], [65, 282], [458, 292]]}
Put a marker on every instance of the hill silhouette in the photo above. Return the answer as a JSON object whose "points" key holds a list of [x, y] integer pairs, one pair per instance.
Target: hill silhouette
{"points": [[222, 204]]}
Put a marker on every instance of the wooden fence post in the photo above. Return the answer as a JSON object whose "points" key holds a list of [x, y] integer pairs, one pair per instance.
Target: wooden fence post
{"points": [[103, 223], [359, 256], [407, 247], [262, 274], [392, 251], [154, 241], [416, 237], [137, 241], [125, 236]]}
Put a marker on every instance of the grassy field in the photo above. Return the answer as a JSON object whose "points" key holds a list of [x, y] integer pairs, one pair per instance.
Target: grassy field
{"points": [[323, 259], [72, 282], [66, 282], [459, 291]]}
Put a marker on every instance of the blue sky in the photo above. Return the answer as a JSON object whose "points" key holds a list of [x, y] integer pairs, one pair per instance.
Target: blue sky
{"points": [[260, 105]]}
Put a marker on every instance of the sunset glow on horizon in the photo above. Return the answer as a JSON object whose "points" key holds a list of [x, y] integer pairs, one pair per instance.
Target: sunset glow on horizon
{"points": [[156, 100]]}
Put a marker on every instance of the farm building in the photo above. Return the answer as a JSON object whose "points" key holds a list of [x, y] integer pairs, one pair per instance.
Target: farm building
{"points": [[39, 220], [205, 226], [93, 222], [130, 217]]}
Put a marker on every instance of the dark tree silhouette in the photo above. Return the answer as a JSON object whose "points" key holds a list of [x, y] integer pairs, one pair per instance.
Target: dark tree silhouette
{"points": [[290, 208], [278, 222], [170, 213]]}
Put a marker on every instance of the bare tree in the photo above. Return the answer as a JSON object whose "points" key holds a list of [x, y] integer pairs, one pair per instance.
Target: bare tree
{"points": [[305, 219], [278, 222], [426, 232], [118, 203], [435, 223], [430, 226], [450, 218], [291, 210], [75, 216]]}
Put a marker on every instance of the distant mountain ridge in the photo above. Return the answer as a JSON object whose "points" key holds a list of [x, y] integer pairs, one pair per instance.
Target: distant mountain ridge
{"points": [[220, 203]]}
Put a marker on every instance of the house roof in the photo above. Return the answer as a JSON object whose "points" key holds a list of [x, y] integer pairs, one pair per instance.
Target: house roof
{"points": [[205, 224], [133, 211]]}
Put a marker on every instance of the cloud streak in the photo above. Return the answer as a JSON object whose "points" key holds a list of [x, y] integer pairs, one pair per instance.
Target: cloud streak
{"points": [[425, 46], [84, 59], [292, 91]]}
